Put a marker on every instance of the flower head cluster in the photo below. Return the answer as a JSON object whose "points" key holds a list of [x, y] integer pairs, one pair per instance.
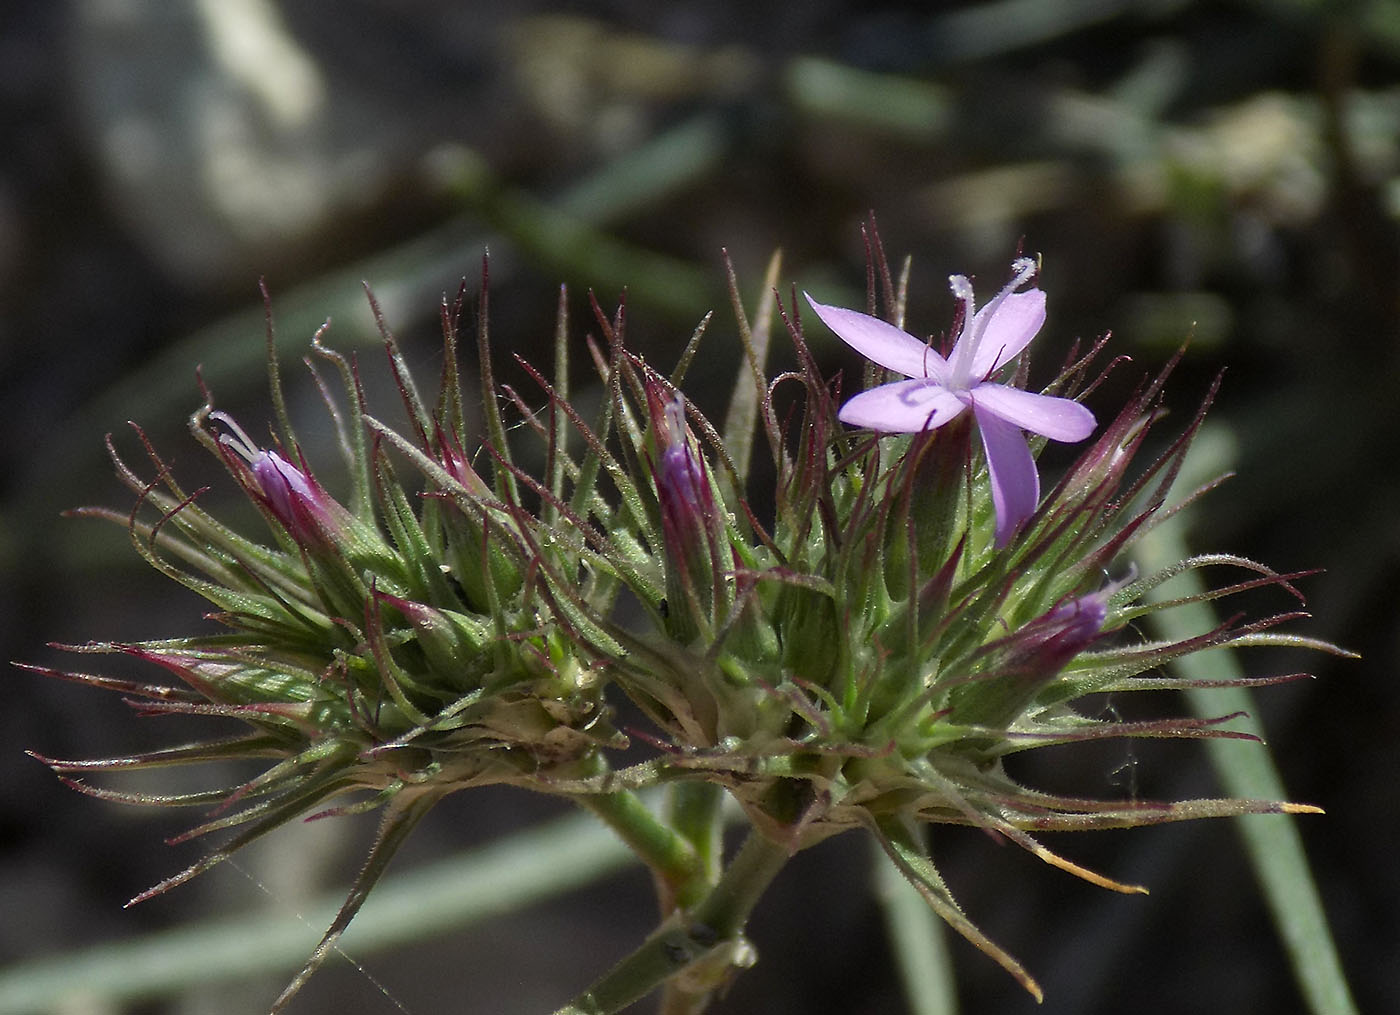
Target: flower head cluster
{"points": [[864, 655]]}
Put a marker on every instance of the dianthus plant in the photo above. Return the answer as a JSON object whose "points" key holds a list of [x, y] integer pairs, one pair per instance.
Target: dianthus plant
{"points": [[858, 646]]}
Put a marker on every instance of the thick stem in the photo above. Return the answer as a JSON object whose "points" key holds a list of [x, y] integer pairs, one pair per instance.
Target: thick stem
{"points": [[670, 855], [693, 810], [726, 909], [702, 946]]}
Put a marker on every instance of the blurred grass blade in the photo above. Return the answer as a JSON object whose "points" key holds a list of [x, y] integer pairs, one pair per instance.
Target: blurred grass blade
{"points": [[918, 942], [1247, 769], [829, 90], [450, 894]]}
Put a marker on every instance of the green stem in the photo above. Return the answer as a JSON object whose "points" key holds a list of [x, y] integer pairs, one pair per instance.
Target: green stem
{"points": [[702, 946], [671, 857], [694, 811]]}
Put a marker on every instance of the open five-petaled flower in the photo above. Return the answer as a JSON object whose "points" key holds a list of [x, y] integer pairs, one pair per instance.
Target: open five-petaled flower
{"points": [[940, 389]]}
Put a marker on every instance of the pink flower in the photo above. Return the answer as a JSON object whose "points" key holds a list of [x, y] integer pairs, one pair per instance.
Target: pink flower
{"points": [[939, 390]]}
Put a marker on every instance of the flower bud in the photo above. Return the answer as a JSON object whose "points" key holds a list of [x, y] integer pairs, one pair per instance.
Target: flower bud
{"points": [[472, 545], [454, 460], [1015, 668], [689, 524], [311, 516], [451, 641], [306, 511]]}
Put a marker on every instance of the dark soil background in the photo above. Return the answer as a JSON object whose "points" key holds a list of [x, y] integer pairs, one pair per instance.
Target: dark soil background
{"points": [[1229, 170]]}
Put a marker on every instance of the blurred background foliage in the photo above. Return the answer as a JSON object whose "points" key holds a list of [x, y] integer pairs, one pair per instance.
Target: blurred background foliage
{"points": [[1224, 170]]}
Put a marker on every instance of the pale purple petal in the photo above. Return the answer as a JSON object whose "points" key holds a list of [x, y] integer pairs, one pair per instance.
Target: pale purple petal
{"points": [[1010, 325], [297, 501], [1060, 419], [1015, 483], [883, 343], [902, 407], [282, 483]]}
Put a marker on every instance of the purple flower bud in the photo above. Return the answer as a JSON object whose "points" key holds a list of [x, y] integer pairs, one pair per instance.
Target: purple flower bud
{"points": [[283, 486], [309, 514], [687, 505], [689, 523], [1076, 622], [1015, 668], [300, 503], [680, 482], [1047, 643]]}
